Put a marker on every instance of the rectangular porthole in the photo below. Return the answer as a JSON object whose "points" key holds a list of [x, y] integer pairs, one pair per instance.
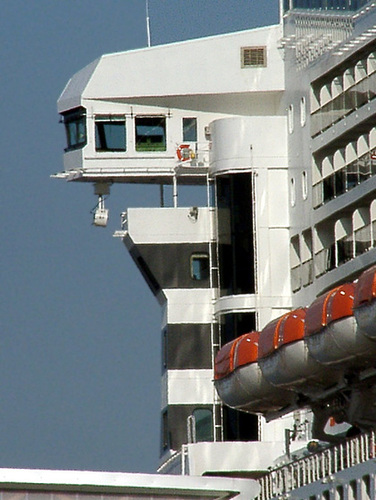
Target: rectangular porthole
{"points": [[200, 266], [190, 129]]}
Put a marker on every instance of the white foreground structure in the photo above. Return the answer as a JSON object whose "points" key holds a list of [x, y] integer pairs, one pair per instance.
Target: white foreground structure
{"points": [[25, 484], [276, 126]]}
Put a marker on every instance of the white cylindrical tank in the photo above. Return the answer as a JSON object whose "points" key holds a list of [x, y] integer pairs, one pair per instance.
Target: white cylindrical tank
{"points": [[243, 143]]}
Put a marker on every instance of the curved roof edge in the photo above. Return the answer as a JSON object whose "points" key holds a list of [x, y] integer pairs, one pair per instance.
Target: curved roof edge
{"points": [[71, 95]]}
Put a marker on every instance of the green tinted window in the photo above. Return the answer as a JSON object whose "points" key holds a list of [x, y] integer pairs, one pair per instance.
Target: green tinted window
{"points": [[150, 133], [203, 419]]}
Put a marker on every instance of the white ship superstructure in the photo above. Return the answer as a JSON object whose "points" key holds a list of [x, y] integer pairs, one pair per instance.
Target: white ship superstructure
{"points": [[268, 286], [199, 261]]}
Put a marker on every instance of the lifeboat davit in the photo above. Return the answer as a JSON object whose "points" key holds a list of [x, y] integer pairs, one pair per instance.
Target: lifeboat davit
{"points": [[284, 358], [365, 302], [331, 331], [240, 382]]}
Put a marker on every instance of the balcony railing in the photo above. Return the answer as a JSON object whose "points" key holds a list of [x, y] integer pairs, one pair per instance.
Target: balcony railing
{"points": [[317, 466]]}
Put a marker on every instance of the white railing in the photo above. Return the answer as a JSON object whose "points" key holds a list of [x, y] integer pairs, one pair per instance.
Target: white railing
{"points": [[317, 466], [175, 464]]}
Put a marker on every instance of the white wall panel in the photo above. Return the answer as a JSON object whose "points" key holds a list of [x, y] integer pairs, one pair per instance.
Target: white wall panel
{"points": [[278, 198], [189, 305], [169, 225], [190, 387]]}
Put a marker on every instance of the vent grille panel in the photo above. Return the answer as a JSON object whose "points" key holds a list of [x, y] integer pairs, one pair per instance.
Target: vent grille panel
{"points": [[253, 57]]}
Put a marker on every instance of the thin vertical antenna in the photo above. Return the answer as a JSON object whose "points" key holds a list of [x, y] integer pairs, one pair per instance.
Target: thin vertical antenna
{"points": [[148, 23]]}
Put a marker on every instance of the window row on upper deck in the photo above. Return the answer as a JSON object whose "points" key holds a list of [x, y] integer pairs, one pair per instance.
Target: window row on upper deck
{"points": [[150, 132], [342, 91], [331, 243], [344, 168]]}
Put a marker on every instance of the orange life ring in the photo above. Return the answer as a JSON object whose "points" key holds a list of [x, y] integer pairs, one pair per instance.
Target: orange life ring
{"points": [[183, 156]]}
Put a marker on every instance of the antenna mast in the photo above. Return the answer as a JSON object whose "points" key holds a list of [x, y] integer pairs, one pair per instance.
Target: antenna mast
{"points": [[148, 23]]}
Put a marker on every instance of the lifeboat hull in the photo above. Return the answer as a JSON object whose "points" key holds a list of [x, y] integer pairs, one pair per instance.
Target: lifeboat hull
{"points": [[365, 302], [246, 389], [341, 342], [365, 316], [292, 366]]}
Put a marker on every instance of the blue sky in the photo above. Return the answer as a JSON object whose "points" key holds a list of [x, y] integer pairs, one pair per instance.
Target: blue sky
{"points": [[79, 329]]}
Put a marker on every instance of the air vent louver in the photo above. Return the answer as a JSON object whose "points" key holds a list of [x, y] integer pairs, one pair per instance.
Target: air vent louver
{"points": [[252, 57]]}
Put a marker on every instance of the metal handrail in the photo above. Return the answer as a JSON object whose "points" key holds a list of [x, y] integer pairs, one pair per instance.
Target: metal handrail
{"points": [[317, 466]]}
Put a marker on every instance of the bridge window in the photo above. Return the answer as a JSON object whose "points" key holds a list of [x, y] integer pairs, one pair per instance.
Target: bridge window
{"points": [[150, 133], [75, 128], [110, 133], [190, 129]]}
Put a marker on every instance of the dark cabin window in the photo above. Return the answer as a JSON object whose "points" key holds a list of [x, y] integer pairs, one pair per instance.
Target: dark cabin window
{"points": [[203, 421], [110, 133], [190, 129], [165, 442], [75, 128], [200, 266], [235, 241], [164, 349], [150, 133]]}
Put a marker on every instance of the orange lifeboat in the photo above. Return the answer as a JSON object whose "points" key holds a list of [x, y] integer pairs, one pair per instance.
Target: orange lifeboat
{"points": [[365, 302], [240, 382], [317, 357], [284, 358], [331, 333]]}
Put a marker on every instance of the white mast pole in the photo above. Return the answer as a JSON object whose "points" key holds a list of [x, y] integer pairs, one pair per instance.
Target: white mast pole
{"points": [[148, 23]]}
